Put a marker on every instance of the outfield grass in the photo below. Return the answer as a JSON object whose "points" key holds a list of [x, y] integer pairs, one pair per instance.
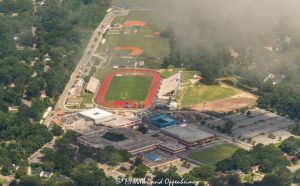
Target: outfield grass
{"points": [[214, 154], [198, 94], [128, 88], [151, 46]]}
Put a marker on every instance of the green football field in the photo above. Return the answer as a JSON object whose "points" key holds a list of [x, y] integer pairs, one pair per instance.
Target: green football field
{"points": [[128, 88], [214, 154]]}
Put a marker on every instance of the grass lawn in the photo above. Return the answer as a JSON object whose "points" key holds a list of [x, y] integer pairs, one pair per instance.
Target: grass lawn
{"points": [[128, 88], [185, 74], [169, 72], [214, 154], [102, 72], [151, 46], [198, 94], [2, 180], [87, 98]]}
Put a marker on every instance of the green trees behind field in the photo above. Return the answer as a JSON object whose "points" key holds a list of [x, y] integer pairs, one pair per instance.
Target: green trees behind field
{"points": [[58, 29]]}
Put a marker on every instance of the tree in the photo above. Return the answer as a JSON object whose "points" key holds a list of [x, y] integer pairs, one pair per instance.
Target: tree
{"points": [[291, 146], [26, 38], [138, 161], [30, 181], [234, 180], [34, 88], [88, 174], [140, 171], [204, 172], [114, 158], [297, 176], [57, 130], [281, 177], [228, 126]]}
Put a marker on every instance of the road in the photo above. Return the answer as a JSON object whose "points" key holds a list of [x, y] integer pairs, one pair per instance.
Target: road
{"points": [[36, 156], [89, 52]]}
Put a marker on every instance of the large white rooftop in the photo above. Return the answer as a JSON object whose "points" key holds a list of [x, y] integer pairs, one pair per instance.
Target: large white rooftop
{"points": [[170, 84], [95, 113]]}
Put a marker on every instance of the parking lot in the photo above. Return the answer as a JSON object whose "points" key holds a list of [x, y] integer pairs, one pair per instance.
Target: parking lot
{"points": [[258, 125]]}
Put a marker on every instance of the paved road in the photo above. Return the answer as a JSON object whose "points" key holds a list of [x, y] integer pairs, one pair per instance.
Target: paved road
{"points": [[88, 54], [36, 156]]}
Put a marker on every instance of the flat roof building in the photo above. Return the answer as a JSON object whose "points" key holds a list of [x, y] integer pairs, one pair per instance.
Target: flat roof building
{"points": [[97, 115], [158, 158], [162, 121], [131, 140], [123, 121], [189, 136], [76, 101], [172, 147]]}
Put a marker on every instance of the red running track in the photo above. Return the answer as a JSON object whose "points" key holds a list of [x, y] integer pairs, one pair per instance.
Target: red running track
{"points": [[128, 103]]}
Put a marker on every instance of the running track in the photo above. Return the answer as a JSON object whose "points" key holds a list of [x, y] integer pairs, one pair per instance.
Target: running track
{"points": [[151, 94]]}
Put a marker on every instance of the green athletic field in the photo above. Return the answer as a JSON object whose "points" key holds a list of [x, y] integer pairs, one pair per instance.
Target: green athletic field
{"points": [[214, 154], [198, 94], [128, 88], [152, 46]]}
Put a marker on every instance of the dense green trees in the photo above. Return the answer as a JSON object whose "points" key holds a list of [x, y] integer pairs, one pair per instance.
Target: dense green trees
{"points": [[267, 157], [284, 99], [205, 172], [58, 28], [227, 128], [90, 174], [281, 176], [291, 146]]}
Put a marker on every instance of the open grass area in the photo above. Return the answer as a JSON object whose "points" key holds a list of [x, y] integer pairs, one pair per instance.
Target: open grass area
{"points": [[102, 72], [152, 46], [128, 88], [214, 154], [87, 98], [201, 93], [169, 72], [185, 74], [2, 180]]}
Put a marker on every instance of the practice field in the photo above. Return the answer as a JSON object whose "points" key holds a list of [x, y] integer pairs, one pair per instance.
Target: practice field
{"points": [[150, 46], [214, 154], [202, 93], [128, 88]]}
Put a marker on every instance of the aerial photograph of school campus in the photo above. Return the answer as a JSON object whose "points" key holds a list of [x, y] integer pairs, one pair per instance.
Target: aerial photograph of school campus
{"points": [[149, 92]]}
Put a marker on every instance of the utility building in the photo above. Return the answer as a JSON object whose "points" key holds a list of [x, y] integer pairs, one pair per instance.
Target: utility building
{"points": [[162, 121]]}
